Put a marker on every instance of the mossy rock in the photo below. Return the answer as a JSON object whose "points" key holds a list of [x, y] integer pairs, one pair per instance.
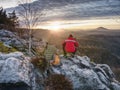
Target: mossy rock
{"points": [[5, 49]]}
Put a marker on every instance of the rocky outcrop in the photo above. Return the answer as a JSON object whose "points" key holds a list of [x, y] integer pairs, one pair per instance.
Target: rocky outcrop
{"points": [[10, 39], [17, 73], [86, 75]]}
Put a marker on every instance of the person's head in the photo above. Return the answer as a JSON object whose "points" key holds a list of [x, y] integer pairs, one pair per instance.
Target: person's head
{"points": [[70, 35]]}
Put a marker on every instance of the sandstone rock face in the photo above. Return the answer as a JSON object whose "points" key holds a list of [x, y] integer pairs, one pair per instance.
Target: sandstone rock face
{"points": [[17, 73], [86, 75], [10, 39]]}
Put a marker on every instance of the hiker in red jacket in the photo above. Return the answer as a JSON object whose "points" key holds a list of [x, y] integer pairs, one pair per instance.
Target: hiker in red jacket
{"points": [[70, 45]]}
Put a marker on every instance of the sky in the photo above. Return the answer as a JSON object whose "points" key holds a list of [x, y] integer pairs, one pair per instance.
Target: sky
{"points": [[76, 14], [8, 3]]}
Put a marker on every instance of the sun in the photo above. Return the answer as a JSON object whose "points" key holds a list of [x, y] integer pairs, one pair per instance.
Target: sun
{"points": [[56, 26], [53, 26]]}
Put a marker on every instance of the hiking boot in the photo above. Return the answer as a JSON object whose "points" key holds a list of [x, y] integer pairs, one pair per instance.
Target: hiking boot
{"points": [[65, 56], [72, 55]]}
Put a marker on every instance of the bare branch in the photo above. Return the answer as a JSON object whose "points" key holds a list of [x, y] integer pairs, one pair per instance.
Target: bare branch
{"points": [[31, 17]]}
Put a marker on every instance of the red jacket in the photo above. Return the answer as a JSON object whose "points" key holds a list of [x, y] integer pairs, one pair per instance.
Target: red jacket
{"points": [[70, 45]]}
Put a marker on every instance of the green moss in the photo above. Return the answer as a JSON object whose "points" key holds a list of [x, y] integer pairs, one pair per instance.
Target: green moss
{"points": [[5, 49]]}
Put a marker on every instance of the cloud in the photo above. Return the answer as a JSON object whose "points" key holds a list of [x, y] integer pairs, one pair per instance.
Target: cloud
{"points": [[7, 3], [10, 3], [78, 9], [90, 9]]}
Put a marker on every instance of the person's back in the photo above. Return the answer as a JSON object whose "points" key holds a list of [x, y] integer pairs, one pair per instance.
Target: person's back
{"points": [[70, 45]]}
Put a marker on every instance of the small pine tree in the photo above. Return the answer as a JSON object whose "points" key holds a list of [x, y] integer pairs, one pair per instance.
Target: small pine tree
{"points": [[13, 20], [3, 17], [9, 22]]}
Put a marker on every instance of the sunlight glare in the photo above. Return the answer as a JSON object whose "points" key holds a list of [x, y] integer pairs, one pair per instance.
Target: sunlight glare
{"points": [[55, 26]]}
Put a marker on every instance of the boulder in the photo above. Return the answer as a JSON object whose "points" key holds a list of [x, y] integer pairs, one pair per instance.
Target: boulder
{"points": [[85, 75], [17, 73]]}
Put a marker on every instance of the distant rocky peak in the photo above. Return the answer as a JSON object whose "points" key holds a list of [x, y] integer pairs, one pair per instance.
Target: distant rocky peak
{"points": [[102, 29]]}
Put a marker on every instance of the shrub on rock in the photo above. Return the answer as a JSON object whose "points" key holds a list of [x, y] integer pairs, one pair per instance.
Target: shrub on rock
{"points": [[58, 82]]}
